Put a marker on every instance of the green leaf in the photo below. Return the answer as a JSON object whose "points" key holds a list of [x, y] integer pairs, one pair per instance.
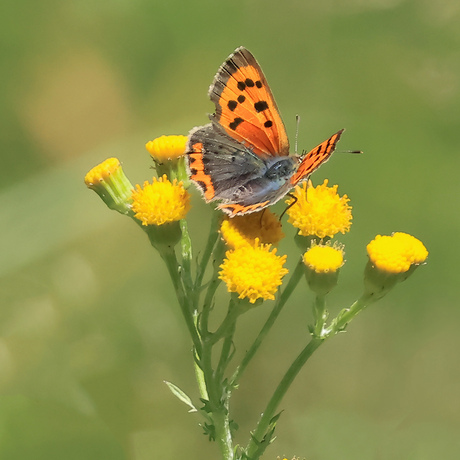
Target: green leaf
{"points": [[178, 393]]}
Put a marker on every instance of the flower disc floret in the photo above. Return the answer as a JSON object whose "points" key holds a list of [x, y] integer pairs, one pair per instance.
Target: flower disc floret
{"points": [[160, 202], [396, 253], [319, 211], [254, 272], [167, 147]]}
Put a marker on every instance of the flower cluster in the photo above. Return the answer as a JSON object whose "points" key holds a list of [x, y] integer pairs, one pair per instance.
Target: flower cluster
{"points": [[240, 254], [250, 267]]}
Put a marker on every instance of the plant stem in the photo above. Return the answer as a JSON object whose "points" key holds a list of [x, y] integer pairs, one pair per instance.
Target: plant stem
{"points": [[223, 433], [212, 287], [319, 315], [170, 260], [264, 422], [186, 250], [347, 314], [281, 301], [212, 238]]}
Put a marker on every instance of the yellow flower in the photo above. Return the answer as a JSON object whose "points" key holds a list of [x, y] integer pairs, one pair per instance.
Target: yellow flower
{"points": [[160, 202], [324, 258], [323, 262], [319, 211], [254, 272], [244, 230], [396, 253], [167, 147], [109, 181], [102, 172]]}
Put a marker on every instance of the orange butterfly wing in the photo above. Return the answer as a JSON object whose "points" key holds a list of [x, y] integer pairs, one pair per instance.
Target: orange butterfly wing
{"points": [[315, 158], [245, 107]]}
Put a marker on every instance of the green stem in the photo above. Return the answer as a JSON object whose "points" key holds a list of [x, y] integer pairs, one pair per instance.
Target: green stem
{"points": [[208, 374], [223, 433], [227, 330], [212, 287], [198, 370], [228, 323], [225, 355], [212, 238], [257, 445], [186, 250], [319, 315], [347, 314], [281, 301], [170, 260]]}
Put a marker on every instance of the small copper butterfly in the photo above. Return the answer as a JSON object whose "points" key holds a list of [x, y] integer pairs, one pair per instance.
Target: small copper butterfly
{"points": [[242, 157]]}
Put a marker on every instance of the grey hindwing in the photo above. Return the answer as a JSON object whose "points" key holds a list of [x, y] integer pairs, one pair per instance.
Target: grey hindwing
{"points": [[229, 163], [238, 175]]}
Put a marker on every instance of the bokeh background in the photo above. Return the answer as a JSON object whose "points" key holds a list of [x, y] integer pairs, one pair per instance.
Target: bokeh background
{"points": [[89, 326]]}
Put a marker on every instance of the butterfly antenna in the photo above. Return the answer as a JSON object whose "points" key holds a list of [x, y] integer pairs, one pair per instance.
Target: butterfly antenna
{"points": [[350, 151], [297, 119]]}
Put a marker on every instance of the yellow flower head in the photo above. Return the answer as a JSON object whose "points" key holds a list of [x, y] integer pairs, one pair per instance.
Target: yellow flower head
{"points": [[244, 230], [102, 172], [167, 147], [160, 202], [109, 181], [254, 272], [319, 211], [324, 258], [396, 253]]}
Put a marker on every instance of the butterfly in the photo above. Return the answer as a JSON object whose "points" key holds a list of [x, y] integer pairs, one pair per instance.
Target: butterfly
{"points": [[242, 157]]}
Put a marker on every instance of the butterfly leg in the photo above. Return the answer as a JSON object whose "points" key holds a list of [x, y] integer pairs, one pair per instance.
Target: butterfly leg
{"points": [[290, 205]]}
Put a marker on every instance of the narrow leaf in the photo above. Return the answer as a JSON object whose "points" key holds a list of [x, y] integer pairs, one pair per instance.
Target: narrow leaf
{"points": [[178, 393]]}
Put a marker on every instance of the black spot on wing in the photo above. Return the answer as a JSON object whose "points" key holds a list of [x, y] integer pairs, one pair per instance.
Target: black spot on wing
{"points": [[232, 105], [261, 106], [235, 123]]}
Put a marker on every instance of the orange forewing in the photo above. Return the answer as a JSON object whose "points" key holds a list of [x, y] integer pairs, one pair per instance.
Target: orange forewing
{"points": [[245, 106], [315, 157]]}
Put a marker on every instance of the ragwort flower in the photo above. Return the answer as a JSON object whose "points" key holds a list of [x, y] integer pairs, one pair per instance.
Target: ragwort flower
{"points": [[245, 230], [319, 211], [396, 253], [109, 181], [324, 258], [392, 259], [166, 148], [254, 272], [323, 262], [160, 202]]}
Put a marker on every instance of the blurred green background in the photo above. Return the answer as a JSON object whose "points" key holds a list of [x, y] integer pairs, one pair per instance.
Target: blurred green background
{"points": [[89, 325]]}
